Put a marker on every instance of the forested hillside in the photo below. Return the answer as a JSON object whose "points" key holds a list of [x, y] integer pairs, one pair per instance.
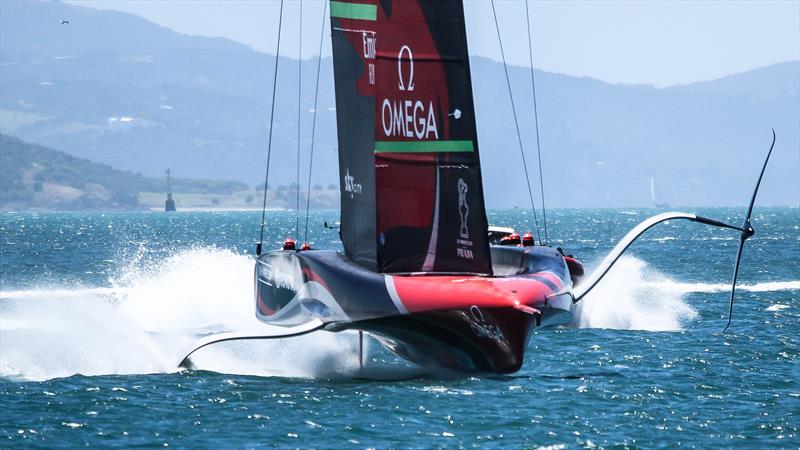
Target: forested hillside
{"points": [[34, 176]]}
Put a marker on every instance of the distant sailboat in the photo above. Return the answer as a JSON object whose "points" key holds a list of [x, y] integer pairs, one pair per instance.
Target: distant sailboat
{"points": [[170, 204], [656, 203]]}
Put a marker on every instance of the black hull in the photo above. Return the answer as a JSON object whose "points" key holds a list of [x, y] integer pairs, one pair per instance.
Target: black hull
{"points": [[452, 339], [491, 341]]}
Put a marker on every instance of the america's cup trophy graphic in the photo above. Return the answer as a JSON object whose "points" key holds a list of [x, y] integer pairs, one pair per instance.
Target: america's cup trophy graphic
{"points": [[463, 208]]}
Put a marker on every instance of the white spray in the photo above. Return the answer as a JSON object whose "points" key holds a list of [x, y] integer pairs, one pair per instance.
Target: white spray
{"points": [[149, 317], [633, 297]]}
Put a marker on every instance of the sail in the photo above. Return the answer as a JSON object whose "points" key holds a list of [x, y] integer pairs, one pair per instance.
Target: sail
{"points": [[653, 190], [412, 197]]}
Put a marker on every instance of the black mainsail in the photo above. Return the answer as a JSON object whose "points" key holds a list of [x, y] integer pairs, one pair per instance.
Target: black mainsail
{"points": [[412, 198]]}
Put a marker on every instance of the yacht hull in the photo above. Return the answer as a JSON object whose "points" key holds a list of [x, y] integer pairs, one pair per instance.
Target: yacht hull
{"points": [[463, 322]]}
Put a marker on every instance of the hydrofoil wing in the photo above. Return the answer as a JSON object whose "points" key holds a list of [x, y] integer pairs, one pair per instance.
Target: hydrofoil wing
{"points": [[264, 332]]}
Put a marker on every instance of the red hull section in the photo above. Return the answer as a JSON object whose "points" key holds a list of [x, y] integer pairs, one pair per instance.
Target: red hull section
{"points": [[418, 294]]}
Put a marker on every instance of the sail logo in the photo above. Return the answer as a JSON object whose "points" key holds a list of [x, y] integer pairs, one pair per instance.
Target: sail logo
{"points": [[368, 43], [400, 84], [408, 118], [463, 244], [482, 328], [463, 208], [350, 184], [369, 46]]}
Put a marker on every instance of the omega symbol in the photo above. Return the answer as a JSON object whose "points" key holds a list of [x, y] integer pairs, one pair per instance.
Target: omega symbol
{"points": [[400, 84]]}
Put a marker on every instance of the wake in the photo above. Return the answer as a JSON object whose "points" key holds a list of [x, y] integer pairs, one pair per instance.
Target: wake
{"points": [[150, 315]]}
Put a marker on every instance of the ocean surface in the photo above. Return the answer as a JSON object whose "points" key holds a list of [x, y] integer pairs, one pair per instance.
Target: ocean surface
{"points": [[96, 310]]}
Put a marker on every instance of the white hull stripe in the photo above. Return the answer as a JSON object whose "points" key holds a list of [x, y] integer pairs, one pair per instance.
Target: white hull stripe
{"points": [[393, 294]]}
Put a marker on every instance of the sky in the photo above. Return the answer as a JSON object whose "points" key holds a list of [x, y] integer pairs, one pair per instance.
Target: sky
{"points": [[662, 43]]}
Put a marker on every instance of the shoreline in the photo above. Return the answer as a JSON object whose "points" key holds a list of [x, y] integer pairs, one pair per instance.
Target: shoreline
{"points": [[215, 209]]}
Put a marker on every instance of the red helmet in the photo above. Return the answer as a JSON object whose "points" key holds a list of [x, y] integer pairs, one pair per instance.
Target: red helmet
{"points": [[511, 239], [288, 244], [527, 240]]}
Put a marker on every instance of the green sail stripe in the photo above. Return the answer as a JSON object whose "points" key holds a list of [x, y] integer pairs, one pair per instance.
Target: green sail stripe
{"points": [[423, 146], [356, 11]]}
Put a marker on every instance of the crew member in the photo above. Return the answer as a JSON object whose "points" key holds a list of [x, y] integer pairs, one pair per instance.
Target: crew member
{"points": [[511, 239], [527, 240]]}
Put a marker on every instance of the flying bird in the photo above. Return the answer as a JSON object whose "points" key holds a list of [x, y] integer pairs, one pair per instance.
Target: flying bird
{"points": [[64, 22]]}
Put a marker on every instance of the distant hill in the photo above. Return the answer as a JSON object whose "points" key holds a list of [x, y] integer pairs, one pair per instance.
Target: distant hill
{"points": [[33, 176], [119, 90]]}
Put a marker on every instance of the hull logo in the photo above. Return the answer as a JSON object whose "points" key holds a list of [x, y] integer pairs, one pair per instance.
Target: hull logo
{"points": [[482, 328]]}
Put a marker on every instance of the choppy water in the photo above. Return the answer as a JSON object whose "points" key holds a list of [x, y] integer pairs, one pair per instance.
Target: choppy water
{"points": [[95, 310]]}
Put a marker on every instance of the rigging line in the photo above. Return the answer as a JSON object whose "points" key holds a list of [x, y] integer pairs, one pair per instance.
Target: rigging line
{"points": [[299, 111], [269, 141], [536, 122], [516, 124], [314, 118]]}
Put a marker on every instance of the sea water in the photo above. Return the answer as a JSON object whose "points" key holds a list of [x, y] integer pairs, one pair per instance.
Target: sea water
{"points": [[97, 309]]}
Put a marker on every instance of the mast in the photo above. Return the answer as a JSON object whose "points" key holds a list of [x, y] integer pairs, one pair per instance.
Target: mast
{"points": [[412, 197], [169, 206]]}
